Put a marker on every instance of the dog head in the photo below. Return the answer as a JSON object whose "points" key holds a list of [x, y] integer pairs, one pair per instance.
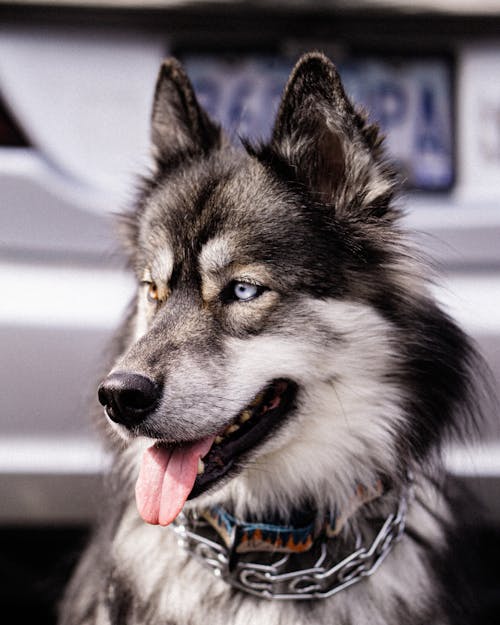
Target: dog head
{"points": [[283, 345]]}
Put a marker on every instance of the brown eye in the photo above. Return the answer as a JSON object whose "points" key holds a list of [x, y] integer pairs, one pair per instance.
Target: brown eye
{"points": [[153, 294]]}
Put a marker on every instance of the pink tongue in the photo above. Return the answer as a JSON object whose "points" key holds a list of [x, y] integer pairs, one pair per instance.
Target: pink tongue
{"points": [[166, 478]]}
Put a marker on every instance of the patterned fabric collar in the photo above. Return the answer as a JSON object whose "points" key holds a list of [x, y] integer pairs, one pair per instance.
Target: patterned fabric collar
{"points": [[308, 564], [245, 537]]}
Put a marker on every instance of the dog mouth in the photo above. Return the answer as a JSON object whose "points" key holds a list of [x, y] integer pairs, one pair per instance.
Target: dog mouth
{"points": [[251, 427], [171, 474]]}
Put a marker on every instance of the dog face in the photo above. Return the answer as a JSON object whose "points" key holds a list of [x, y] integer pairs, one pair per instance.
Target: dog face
{"points": [[282, 332]]}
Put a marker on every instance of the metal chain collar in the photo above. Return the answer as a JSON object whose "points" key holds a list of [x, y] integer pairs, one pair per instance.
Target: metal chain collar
{"points": [[274, 580]]}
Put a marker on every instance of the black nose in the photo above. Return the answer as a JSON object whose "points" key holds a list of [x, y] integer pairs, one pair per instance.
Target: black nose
{"points": [[128, 397]]}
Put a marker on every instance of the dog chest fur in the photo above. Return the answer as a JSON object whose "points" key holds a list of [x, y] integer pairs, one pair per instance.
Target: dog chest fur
{"points": [[147, 578]]}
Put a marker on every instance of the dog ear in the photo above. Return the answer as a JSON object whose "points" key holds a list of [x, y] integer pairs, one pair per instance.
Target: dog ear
{"points": [[330, 146], [179, 126]]}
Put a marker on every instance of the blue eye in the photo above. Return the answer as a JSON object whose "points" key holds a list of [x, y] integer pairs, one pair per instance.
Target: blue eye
{"points": [[241, 291], [245, 291]]}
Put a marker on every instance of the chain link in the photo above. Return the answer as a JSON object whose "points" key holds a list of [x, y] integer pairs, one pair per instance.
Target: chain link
{"points": [[274, 581]]}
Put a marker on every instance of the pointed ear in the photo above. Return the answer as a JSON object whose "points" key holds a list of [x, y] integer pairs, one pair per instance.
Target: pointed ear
{"points": [[330, 146], [179, 126]]}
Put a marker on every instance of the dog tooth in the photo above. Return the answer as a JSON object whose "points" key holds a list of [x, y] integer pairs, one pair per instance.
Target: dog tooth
{"points": [[201, 466], [257, 400], [245, 416], [231, 428], [218, 440]]}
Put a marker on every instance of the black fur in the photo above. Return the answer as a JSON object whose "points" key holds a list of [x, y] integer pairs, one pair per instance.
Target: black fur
{"points": [[314, 210]]}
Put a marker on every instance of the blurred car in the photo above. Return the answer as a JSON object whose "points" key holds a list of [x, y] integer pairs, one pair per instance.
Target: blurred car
{"points": [[74, 110]]}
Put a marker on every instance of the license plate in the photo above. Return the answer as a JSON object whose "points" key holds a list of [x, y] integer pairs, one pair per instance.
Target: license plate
{"points": [[411, 100]]}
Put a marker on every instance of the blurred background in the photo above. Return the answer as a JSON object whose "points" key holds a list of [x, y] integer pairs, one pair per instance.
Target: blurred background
{"points": [[76, 84]]}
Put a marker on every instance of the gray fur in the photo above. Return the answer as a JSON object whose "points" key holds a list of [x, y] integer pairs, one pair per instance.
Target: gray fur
{"points": [[383, 375]]}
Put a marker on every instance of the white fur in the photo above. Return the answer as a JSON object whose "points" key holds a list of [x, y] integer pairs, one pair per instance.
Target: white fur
{"points": [[343, 430], [141, 317], [347, 408], [143, 552], [215, 255]]}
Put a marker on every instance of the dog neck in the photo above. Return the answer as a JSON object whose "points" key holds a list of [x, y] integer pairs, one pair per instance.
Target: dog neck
{"points": [[298, 535], [310, 560]]}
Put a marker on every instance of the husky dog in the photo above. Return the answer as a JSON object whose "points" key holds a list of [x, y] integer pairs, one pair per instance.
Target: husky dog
{"points": [[281, 387]]}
